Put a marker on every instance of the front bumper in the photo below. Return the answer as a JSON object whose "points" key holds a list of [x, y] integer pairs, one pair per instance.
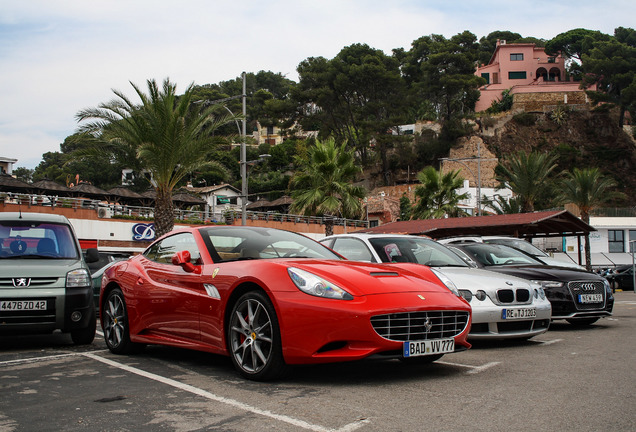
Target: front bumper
{"points": [[326, 330]]}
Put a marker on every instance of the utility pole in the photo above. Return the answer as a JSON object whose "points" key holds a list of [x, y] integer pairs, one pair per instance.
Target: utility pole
{"points": [[244, 160]]}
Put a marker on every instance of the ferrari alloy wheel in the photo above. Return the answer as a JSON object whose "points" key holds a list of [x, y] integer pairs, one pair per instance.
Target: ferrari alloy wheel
{"points": [[254, 338], [115, 323]]}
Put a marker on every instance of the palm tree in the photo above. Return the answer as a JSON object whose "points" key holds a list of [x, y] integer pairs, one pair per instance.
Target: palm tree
{"points": [[324, 185], [166, 134], [438, 196], [528, 176], [588, 189], [502, 205]]}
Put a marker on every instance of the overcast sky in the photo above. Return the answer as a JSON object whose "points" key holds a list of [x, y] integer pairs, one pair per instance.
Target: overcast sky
{"points": [[58, 57]]}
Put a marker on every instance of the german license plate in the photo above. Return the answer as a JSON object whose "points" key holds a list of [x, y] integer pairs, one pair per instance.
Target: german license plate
{"points": [[18, 305], [428, 347], [590, 298], [519, 313]]}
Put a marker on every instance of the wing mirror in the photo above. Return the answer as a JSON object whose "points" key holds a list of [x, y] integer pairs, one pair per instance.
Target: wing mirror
{"points": [[183, 259]]}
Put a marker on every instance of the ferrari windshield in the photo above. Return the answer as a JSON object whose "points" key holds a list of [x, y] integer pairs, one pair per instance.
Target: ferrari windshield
{"points": [[416, 250], [493, 254], [235, 243]]}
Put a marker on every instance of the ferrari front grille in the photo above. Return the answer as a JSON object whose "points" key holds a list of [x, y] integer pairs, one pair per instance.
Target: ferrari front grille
{"points": [[414, 326]]}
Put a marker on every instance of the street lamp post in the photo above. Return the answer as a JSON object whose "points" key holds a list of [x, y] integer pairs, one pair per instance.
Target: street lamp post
{"points": [[244, 161], [475, 177]]}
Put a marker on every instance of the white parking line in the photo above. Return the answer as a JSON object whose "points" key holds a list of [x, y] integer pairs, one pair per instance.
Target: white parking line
{"points": [[473, 369], [36, 359], [200, 392], [550, 342]]}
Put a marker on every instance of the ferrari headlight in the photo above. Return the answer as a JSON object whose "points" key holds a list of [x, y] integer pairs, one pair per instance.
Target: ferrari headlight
{"points": [[446, 281], [316, 286]]}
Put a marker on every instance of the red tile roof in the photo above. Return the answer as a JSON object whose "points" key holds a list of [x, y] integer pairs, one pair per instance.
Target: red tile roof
{"points": [[537, 224]]}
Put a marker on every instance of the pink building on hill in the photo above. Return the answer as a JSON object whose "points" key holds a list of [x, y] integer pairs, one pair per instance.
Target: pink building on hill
{"points": [[523, 68]]}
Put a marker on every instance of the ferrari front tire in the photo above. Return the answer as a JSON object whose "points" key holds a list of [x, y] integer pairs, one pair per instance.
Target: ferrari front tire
{"points": [[253, 337], [115, 323]]}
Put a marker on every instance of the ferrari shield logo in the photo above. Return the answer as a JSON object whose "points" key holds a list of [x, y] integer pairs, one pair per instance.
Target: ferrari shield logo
{"points": [[21, 282]]}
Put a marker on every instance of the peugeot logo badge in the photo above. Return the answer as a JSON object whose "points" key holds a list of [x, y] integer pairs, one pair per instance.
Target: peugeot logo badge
{"points": [[21, 282]]}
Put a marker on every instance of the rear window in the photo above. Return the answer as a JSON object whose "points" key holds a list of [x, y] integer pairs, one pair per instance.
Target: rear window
{"points": [[20, 239]]}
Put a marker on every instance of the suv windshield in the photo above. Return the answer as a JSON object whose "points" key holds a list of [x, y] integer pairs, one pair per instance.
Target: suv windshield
{"points": [[36, 240], [493, 254], [522, 245], [415, 250]]}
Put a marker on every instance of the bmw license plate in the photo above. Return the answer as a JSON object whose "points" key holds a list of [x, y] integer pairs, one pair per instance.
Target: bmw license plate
{"points": [[590, 298], [520, 313], [25, 305], [428, 347]]}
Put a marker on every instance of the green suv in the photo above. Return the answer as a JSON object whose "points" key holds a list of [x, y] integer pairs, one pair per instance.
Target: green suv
{"points": [[45, 284]]}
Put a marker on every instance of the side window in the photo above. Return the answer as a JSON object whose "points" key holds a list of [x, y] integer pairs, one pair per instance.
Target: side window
{"points": [[164, 250], [353, 249], [616, 241]]}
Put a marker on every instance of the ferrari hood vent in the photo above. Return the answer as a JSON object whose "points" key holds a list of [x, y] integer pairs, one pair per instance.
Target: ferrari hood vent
{"points": [[383, 273]]}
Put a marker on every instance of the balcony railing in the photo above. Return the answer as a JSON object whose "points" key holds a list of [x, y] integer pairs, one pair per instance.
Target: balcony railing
{"points": [[109, 210]]}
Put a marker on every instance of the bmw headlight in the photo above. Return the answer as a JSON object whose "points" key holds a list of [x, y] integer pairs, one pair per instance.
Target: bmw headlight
{"points": [[481, 295], [78, 278], [313, 285], [538, 291], [446, 281], [468, 296]]}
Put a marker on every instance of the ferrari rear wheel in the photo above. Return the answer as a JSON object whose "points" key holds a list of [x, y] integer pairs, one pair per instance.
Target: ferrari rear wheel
{"points": [[115, 322], [253, 336]]}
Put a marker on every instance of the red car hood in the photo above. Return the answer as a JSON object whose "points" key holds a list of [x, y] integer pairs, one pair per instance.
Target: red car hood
{"points": [[359, 278]]}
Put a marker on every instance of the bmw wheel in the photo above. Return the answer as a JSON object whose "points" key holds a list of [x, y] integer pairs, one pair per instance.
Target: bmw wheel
{"points": [[115, 323], [254, 339]]}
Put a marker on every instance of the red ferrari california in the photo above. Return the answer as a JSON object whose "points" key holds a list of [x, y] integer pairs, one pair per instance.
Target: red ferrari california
{"points": [[269, 298]]}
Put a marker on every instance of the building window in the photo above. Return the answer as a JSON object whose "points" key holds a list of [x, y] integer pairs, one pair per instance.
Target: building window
{"points": [[486, 76], [616, 240], [517, 75], [516, 57], [632, 241]]}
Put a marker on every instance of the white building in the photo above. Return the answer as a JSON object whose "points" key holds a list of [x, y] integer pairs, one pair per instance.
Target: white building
{"points": [[609, 245]]}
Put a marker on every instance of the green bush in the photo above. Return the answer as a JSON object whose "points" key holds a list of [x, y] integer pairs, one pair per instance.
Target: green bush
{"points": [[525, 119]]}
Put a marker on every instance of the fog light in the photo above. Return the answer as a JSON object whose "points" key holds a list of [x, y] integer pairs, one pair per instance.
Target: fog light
{"points": [[76, 316]]}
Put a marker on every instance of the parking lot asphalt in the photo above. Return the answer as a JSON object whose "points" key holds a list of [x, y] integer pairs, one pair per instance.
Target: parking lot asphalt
{"points": [[568, 379]]}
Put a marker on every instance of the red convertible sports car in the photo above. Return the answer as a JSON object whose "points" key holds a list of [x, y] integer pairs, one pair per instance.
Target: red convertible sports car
{"points": [[269, 298]]}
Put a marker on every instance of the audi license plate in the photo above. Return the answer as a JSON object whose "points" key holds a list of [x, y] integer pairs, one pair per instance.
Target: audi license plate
{"points": [[522, 313], [428, 347], [24, 305], [590, 298]]}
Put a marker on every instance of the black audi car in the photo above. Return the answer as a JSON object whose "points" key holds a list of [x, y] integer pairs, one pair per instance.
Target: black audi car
{"points": [[578, 296]]}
